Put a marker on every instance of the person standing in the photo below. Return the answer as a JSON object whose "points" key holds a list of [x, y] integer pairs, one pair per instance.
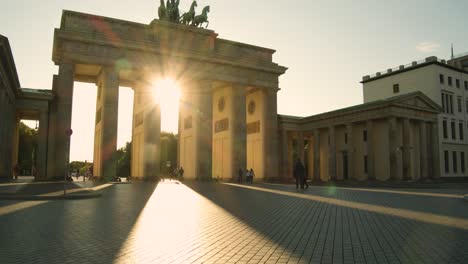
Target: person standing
{"points": [[16, 171], [299, 174], [181, 173], [252, 175], [239, 176]]}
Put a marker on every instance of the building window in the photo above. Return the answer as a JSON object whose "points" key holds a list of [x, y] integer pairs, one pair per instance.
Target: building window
{"points": [[462, 161], [346, 138], [460, 130], [466, 85], [396, 88], [450, 81], [441, 78], [364, 135], [366, 169], [446, 161], [443, 102], [444, 126], [450, 103], [459, 104], [454, 162], [457, 83], [453, 130], [466, 105]]}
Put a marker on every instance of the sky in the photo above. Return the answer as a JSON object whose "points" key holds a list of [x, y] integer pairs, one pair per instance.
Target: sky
{"points": [[328, 45]]}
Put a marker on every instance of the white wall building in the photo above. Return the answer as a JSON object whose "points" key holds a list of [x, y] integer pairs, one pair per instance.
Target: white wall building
{"points": [[446, 83]]}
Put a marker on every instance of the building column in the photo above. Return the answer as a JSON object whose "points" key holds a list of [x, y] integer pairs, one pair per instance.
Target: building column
{"points": [[332, 153], [203, 133], [64, 102], [15, 137], [370, 150], [105, 139], [238, 130], [270, 133], [300, 147], [407, 149], [51, 162], [435, 152], [350, 147], [396, 168], [424, 158], [317, 155], [285, 155], [42, 145]]}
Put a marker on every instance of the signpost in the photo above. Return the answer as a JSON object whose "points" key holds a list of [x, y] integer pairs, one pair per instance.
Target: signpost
{"points": [[68, 133]]}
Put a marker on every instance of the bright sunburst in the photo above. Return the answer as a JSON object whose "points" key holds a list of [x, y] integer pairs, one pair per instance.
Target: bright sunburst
{"points": [[166, 93]]}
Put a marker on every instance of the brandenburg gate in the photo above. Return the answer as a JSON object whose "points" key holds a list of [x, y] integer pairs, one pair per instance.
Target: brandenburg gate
{"points": [[228, 110]]}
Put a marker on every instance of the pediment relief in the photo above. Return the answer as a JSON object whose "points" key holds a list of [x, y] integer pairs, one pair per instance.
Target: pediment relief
{"points": [[418, 102]]}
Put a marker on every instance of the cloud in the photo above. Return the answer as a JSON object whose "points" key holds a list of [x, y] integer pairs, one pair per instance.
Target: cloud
{"points": [[427, 47]]}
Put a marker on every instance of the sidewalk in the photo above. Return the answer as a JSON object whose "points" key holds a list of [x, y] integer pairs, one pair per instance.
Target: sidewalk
{"points": [[49, 190]]}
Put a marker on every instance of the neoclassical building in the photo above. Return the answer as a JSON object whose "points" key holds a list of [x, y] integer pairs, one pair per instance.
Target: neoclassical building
{"points": [[228, 116]]}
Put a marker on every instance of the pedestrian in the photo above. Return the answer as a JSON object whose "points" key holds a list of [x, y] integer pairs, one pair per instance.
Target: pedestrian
{"points": [[252, 175], [16, 171], [299, 174], [239, 176], [247, 175], [181, 173]]}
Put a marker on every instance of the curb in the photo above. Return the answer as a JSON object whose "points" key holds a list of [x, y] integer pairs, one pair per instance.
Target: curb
{"points": [[48, 198]]}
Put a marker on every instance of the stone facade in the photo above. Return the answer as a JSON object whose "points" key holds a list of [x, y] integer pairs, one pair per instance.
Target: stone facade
{"points": [[228, 116], [393, 139], [444, 82]]}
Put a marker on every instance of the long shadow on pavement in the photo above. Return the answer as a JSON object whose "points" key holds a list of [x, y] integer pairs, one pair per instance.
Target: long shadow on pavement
{"points": [[81, 231], [317, 232]]}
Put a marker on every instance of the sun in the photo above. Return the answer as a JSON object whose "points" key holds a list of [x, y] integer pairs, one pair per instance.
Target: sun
{"points": [[166, 93]]}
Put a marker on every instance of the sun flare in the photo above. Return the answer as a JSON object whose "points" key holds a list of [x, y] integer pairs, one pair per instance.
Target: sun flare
{"points": [[166, 93]]}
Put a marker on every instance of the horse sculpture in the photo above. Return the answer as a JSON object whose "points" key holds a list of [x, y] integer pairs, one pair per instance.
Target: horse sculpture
{"points": [[162, 11], [203, 18], [173, 12], [188, 17]]}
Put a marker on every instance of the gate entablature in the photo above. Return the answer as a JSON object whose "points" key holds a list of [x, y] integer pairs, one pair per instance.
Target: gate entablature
{"points": [[89, 41]]}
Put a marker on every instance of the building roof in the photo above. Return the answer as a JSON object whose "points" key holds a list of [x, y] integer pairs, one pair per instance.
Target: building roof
{"points": [[412, 66], [6, 59], [431, 106]]}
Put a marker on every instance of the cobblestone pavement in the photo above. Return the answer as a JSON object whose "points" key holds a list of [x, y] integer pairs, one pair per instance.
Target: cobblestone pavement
{"points": [[229, 223]]}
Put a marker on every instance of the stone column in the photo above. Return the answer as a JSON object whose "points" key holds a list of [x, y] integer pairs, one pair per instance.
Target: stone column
{"points": [[350, 148], [270, 133], [285, 155], [64, 102], [332, 152], [238, 130], [203, 134], [424, 149], [300, 147], [407, 149], [152, 136], [42, 145], [51, 162], [106, 123], [396, 169], [317, 155], [435, 153], [370, 150]]}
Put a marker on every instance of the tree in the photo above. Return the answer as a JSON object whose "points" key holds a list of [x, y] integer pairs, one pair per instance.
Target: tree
{"points": [[27, 147], [124, 157]]}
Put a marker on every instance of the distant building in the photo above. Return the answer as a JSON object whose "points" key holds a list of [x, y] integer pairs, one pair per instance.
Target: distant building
{"points": [[444, 82]]}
